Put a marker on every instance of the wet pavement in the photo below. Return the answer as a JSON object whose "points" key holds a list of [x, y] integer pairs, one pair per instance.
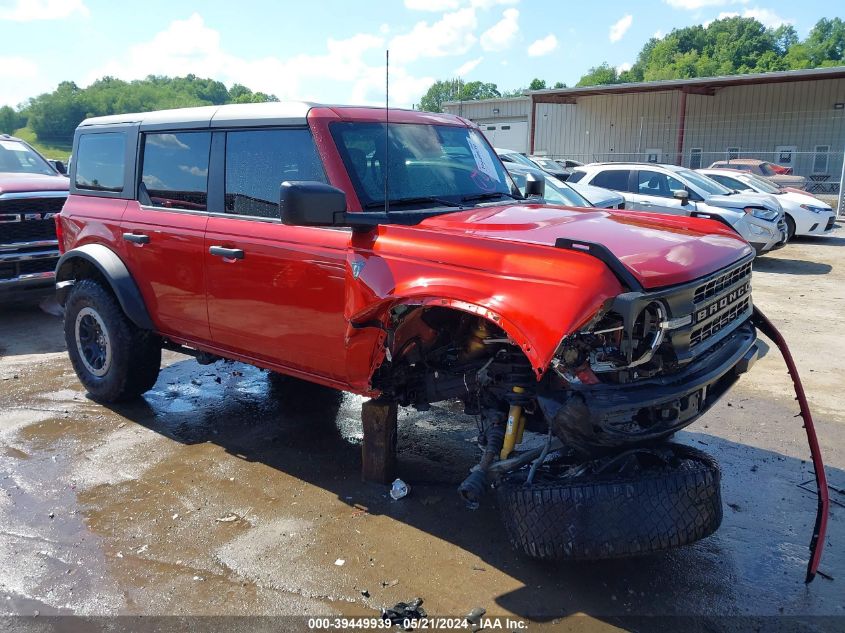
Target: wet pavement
{"points": [[226, 492]]}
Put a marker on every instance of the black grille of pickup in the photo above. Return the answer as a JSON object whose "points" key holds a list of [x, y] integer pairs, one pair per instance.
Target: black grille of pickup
{"points": [[15, 228], [715, 286], [13, 270]]}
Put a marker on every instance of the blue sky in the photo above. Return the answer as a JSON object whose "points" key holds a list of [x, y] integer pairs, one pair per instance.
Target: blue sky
{"points": [[333, 51]]}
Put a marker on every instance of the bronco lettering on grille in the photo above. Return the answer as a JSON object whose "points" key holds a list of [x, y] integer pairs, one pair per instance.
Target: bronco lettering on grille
{"points": [[722, 303]]}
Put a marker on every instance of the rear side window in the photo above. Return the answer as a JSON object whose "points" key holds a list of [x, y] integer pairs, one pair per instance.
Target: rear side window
{"points": [[616, 179], [100, 161], [175, 170], [576, 176], [259, 161]]}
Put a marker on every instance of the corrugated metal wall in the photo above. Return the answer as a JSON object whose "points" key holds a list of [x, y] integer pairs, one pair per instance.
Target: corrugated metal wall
{"points": [[755, 118], [518, 108]]}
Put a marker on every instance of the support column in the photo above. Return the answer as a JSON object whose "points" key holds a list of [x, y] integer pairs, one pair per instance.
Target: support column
{"points": [[682, 119], [532, 125], [378, 450]]}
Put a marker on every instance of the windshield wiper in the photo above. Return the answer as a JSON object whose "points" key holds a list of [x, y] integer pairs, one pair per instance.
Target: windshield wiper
{"points": [[487, 196], [413, 200]]}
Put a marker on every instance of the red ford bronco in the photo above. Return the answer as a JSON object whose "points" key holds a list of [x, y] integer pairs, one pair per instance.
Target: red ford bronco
{"points": [[389, 254]]}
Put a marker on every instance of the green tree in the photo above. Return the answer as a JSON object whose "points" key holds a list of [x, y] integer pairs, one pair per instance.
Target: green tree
{"points": [[456, 90], [602, 74], [10, 120], [537, 84], [825, 45], [558, 85]]}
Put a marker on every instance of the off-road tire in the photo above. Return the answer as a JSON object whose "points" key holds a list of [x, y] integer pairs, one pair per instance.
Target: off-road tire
{"points": [[135, 353], [614, 516], [790, 226]]}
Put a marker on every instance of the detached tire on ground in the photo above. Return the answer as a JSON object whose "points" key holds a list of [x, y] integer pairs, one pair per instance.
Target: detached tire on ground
{"points": [[613, 515], [114, 359]]}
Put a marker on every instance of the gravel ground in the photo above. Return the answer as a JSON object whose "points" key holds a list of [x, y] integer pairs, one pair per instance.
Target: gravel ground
{"points": [[223, 494]]}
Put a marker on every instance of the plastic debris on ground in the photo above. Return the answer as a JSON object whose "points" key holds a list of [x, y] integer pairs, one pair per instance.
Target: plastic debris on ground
{"points": [[399, 489]]}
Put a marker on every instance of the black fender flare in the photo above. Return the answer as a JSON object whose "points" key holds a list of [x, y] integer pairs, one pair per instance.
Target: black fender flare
{"points": [[115, 272]]}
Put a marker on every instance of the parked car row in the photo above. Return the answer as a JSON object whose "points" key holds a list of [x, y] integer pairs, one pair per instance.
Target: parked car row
{"points": [[765, 213]]}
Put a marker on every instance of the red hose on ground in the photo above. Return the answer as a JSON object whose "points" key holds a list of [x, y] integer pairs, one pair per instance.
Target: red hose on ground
{"points": [[817, 542]]}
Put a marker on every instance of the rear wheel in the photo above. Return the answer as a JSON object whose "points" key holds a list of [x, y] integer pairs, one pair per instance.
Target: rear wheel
{"points": [[114, 359], [639, 502]]}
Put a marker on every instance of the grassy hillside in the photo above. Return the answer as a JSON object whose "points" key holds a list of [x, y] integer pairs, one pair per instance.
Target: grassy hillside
{"points": [[58, 151]]}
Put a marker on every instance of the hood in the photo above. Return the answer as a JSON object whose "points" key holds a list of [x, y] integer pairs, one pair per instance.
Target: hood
{"points": [[660, 250], [11, 182], [597, 196], [739, 201], [788, 180]]}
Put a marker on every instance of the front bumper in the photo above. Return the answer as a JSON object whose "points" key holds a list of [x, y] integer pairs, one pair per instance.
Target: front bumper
{"points": [[605, 417], [27, 269]]}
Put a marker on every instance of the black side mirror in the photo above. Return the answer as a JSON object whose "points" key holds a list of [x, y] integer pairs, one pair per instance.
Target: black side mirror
{"points": [[534, 186], [59, 166], [311, 203], [682, 195]]}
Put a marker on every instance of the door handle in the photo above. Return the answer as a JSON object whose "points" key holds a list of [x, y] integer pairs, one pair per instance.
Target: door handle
{"points": [[227, 253], [136, 238]]}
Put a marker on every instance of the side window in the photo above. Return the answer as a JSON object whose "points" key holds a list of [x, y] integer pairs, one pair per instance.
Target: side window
{"points": [[616, 179], [100, 161], [174, 174], [727, 181], [576, 176], [259, 161], [653, 183]]}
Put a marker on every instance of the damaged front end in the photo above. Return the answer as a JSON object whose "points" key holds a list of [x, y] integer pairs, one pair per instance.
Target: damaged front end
{"points": [[651, 362]]}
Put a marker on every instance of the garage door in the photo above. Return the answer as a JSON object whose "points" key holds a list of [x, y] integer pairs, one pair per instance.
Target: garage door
{"points": [[507, 134]]}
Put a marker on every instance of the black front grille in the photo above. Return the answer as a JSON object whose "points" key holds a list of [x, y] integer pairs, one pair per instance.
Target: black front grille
{"points": [[14, 227], [13, 270], [717, 285], [709, 329], [830, 222]]}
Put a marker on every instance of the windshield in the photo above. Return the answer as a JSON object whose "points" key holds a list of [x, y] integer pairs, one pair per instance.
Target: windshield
{"points": [[546, 163], [427, 164], [761, 184], [768, 169], [15, 157], [516, 157], [703, 183]]}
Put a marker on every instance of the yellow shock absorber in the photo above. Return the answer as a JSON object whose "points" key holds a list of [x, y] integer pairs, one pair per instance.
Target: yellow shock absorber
{"points": [[513, 428]]}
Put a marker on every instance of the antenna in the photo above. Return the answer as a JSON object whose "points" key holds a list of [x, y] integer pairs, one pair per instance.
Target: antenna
{"points": [[386, 169]]}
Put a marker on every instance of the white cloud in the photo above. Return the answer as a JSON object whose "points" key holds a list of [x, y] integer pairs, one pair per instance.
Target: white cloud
{"points": [[620, 27], [30, 10], [464, 69], [766, 17], [19, 78], [692, 5], [658, 34], [621, 68], [434, 6], [190, 46], [489, 4], [543, 46], [501, 35], [453, 34]]}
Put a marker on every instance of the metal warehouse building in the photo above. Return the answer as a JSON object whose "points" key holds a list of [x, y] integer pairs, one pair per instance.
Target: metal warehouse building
{"points": [[793, 118]]}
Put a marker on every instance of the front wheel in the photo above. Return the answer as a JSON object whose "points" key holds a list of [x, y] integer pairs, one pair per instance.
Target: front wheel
{"points": [[638, 502], [790, 227], [114, 359]]}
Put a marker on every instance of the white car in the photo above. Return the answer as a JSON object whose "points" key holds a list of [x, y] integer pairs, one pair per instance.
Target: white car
{"points": [[805, 214], [680, 191]]}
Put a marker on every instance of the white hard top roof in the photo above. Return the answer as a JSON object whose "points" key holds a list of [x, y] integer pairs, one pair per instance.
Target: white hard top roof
{"points": [[234, 114]]}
